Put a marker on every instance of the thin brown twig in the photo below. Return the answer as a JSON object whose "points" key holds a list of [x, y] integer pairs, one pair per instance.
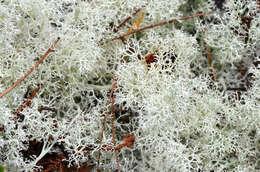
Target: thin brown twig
{"points": [[161, 24], [26, 103], [210, 62], [30, 71], [209, 56], [41, 108], [112, 120], [105, 116], [113, 131]]}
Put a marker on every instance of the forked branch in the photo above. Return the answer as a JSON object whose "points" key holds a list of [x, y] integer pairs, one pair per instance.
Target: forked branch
{"points": [[161, 24]]}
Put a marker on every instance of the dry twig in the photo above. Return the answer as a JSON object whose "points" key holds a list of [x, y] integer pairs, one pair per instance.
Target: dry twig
{"points": [[30, 71], [114, 86]]}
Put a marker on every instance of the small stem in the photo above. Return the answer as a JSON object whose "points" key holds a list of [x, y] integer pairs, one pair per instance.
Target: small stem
{"points": [[47, 108], [113, 130], [210, 62], [26, 103]]}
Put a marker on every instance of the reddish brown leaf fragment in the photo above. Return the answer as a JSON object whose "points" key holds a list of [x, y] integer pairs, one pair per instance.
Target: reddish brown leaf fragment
{"points": [[150, 58]]}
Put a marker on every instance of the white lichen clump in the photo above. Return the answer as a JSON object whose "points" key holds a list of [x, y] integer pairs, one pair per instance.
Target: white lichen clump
{"points": [[181, 117]]}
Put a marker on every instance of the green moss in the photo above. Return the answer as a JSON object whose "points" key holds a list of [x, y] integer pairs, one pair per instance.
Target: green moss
{"points": [[2, 168]]}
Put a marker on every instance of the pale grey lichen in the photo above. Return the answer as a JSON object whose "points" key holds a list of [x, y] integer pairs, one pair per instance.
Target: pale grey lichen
{"points": [[181, 119]]}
